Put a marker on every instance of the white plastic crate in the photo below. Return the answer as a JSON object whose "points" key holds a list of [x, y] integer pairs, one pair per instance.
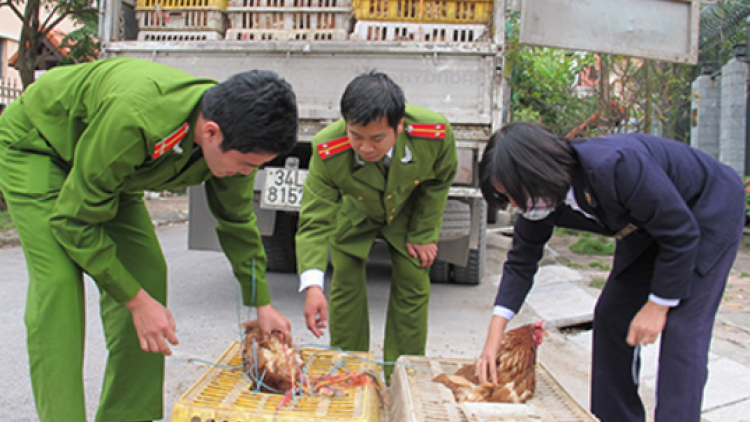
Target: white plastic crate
{"points": [[423, 32], [178, 36], [181, 20], [286, 35], [280, 18], [414, 397], [291, 4]]}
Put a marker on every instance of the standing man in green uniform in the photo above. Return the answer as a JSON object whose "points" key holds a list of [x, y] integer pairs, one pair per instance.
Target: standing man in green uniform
{"points": [[383, 171], [76, 152]]}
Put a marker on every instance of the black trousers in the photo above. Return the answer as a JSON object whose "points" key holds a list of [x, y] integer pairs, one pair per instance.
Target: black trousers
{"points": [[685, 341]]}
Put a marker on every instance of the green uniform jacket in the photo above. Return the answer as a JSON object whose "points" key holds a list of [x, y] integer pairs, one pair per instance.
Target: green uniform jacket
{"points": [[101, 123], [343, 191]]}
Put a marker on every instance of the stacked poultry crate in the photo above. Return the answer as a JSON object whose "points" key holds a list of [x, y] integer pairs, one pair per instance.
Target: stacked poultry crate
{"points": [[322, 20], [181, 20], [423, 20]]}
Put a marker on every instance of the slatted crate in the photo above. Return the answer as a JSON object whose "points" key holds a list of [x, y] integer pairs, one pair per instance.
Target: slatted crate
{"points": [[181, 4], [181, 15], [437, 11], [414, 397], [178, 36], [288, 19], [181, 20], [222, 394], [286, 35], [298, 15], [422, 32], [318, 5]]}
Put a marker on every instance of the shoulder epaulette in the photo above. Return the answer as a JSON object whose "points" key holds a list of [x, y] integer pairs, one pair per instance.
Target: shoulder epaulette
{"points": [[171, 140], [426, 130], [334, 146]]}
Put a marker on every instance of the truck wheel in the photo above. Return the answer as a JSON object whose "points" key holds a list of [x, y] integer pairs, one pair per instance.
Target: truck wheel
{"points": [[282, 256], [472, 273], [440, 272], [491, 216]]}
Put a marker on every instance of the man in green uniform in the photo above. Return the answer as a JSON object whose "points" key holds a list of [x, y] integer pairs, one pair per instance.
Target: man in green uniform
{"points": [[383, 171], [76, 152]]}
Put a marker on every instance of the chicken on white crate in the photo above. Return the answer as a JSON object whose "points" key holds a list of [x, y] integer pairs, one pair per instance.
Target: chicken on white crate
{"points": [[425, 389]]}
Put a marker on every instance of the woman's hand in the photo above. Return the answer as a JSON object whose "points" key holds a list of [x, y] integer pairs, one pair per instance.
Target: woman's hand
{"points": [[487, 363], [647, 324]]}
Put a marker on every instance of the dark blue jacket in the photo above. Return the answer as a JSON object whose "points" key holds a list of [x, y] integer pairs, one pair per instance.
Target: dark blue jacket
{"points": [[677, 196]]}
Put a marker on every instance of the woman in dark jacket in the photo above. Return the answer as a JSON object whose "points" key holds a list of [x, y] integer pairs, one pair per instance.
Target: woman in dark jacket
{"points": [[677, 216]]}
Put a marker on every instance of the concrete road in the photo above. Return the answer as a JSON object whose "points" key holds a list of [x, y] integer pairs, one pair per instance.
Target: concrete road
{"points": [[204, 300]]}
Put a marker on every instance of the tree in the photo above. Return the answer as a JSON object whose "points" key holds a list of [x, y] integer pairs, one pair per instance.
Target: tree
{"points": [[543, 87], [542, 82], [656, 95], [633, 94], [35, 29]]}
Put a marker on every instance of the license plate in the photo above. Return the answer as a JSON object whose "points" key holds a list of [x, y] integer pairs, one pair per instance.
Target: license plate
{"points": [[283, 188]]}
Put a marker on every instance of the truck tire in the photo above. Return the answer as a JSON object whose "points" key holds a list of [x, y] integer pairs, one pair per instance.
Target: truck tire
{"points": [[280, 250], [440, 272], [491, 216], [473, 272]]}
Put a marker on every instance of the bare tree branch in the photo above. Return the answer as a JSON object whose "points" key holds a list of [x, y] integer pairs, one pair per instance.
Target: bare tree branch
{"points": [[13, 7], [49, 26]]}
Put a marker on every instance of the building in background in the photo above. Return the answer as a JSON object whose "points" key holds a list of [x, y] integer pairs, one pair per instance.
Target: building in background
{"points": [[10, 33]]}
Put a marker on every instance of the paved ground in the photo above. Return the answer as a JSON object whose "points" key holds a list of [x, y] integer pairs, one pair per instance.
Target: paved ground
{"points": [[727, 393], [459, 314]]}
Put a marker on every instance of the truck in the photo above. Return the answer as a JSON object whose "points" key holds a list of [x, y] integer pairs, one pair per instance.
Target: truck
{"points": [[447, 55]]}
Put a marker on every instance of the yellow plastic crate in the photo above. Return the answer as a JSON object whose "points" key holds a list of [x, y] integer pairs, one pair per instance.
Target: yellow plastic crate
{"points": [[181, 20], [439, 11], [223, 395], [181, 4]]}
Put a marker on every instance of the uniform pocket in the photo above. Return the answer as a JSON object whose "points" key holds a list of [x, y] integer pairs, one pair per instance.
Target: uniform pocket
{"points": [[26, 172]]}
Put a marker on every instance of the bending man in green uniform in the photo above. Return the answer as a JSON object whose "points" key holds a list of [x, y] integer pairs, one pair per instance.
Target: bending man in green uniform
{"points": [[76, 152], [383, 171]]}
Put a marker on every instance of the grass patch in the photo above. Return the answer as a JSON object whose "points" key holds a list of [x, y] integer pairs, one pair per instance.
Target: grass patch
{"points": [[598, 282], [591, 244], [562, 231], [600, 265], [744, 274], [575, 265], [5, 222]]}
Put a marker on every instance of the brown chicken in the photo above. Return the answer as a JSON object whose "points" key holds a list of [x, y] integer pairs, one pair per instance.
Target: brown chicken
{"points": [[270, 361], [516, 379]]}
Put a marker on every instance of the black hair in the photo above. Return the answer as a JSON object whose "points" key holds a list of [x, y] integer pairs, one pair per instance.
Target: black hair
{"points": [[528, 161], [371, 96], [256, 112]]}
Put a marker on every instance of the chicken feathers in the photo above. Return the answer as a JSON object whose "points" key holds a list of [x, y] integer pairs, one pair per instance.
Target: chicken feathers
{"points": [[516, 377], [270, 361]]}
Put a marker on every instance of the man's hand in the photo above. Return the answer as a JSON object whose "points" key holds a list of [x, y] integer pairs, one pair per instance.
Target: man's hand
{"points": [[425, 253], [316, 310], [487, 363], [647, 324], [153, 323], [270, 320]]}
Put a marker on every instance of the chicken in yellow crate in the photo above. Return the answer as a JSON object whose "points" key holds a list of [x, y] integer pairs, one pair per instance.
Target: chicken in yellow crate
{"points": [[269, 379]]}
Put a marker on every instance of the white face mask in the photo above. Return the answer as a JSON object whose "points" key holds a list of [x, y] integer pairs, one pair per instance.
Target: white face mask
{"points": [[538, 210]]}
